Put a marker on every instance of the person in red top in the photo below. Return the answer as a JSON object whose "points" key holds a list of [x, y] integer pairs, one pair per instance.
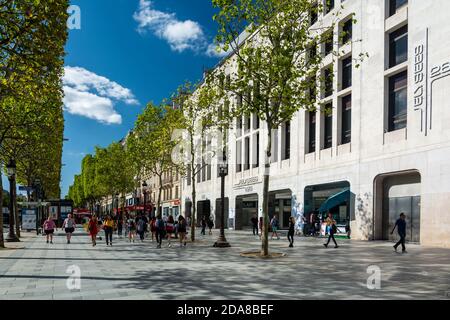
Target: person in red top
{"points": [[49, 227], [93, 230]]}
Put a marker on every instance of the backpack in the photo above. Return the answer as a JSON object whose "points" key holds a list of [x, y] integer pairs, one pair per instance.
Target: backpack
{"points": [[140, 226], [160, 224]]}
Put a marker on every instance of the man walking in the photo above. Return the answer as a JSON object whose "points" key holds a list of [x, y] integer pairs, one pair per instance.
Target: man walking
{"points": [[400, 224], [160, 230], [254, 221]]}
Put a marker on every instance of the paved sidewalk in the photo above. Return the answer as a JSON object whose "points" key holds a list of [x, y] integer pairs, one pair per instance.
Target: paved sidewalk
{"points": [[199, 271]]}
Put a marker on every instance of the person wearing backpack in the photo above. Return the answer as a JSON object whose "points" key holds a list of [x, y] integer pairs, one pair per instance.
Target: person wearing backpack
{"points": [[160, 230], [333, 229], [274, 224], [131, 225], [141, 228]]}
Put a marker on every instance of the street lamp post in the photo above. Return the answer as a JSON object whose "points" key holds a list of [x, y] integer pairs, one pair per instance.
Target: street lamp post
{"points": [[144, 191], [117, 207], [11, 171], [223, 170]]}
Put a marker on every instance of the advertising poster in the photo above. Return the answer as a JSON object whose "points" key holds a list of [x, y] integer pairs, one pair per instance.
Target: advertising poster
{"points": [[53, 212], [29, 219]]}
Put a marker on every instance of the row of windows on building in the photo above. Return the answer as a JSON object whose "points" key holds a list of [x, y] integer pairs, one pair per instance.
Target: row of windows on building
{"points": [[396, 111]]}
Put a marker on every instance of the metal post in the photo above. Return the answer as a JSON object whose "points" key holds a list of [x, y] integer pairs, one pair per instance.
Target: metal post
{"points": [[11, 235], [222, 241]]}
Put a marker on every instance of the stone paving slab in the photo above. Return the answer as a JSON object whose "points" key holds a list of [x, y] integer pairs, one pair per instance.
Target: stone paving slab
{"points": [[199, 271]]}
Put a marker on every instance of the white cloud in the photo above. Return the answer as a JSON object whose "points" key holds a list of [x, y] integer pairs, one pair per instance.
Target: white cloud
{"points": [[211, 51], [181, 35], [93, 96]]}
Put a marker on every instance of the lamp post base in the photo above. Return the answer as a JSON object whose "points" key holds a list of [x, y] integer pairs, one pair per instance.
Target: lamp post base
{"points": [[221, 243], [12, 238]]}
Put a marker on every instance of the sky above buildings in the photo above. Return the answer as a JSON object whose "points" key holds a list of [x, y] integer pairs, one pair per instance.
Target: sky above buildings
{"points": [[126, 54]]}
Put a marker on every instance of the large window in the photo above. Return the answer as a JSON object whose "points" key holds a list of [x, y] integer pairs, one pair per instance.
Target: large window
{"points": [[398, 101], [346, 119], [347, 73], [256, 155], [328, 126], [287, 140], [247, 154], [328, 43], [395, 5], [329, 5], [312, 131], [238, 156], [398, 46], [347, 31], [314, 14], [328, 82]]}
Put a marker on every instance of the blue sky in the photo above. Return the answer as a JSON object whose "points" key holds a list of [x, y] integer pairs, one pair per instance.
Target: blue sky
{"points": [[127, 53]]}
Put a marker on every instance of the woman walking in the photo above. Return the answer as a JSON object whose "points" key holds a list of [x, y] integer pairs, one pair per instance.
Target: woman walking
{"points": [[291, 231], [182, 226], [203, 226], [210, 225], [93, 230], [170, 228], [331, 223], [274, 224], [131, 226], [108, 227], [49, 228], [69, 227]]}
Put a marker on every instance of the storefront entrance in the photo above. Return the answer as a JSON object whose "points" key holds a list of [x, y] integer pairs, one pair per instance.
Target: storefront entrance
{"points": [[280, 204], [331, 197], [203, 210], [396, 193], [246, 207]]}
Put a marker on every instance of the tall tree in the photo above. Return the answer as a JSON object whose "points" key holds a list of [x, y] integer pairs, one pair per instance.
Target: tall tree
{"points": [[274, 48], [150, 144]]}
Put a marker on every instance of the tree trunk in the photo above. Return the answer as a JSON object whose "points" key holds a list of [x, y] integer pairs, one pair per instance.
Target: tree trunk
{"points": [[268, 153], [158, 203], [2, 241], [194, 206], [16, 209]]}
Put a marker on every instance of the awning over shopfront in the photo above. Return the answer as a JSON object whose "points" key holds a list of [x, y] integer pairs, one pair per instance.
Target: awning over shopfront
{"points": [[335, 200]]}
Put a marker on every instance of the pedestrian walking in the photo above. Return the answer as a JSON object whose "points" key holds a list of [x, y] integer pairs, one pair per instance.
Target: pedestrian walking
{"points": [[153, 227], [291, 231], [49, 227], [108, 227], [93, 230], [170, 228], [312, 224], [131, 226], [331, 223], [210, 225], [400, 224], [203, 222], [160, 230], [274, 223], [69, 227], [182, 229], [254, 221], [140, 227]]}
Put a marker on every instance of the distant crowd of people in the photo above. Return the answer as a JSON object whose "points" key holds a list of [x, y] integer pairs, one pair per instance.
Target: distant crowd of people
{"points": [[166, 227]]}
